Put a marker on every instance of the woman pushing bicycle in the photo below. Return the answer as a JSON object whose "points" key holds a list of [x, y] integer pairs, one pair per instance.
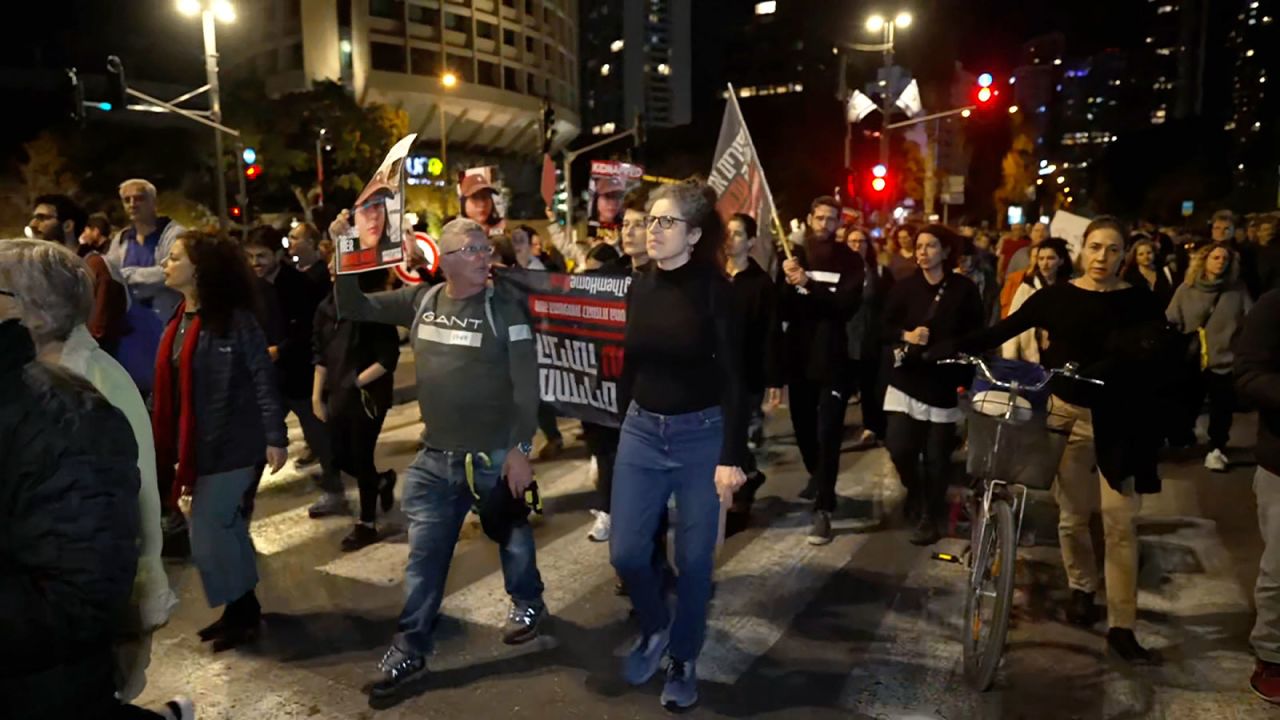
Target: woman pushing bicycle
{"points": [[1117, 333]]}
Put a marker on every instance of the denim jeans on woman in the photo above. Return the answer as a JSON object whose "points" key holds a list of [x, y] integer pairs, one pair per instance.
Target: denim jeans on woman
{"points": [[436, 500], [660, 456]]}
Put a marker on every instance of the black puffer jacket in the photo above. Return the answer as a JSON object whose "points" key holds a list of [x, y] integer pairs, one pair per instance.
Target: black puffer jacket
{"points": [[238, 407], [68, 536]]}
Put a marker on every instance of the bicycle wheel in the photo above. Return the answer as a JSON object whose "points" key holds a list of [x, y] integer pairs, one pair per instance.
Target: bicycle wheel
{"points": [[989, 596]]}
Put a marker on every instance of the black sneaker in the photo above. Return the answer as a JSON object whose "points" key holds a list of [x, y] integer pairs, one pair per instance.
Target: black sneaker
{"points": [[361, 536], [398, 668], [1122, 643], [925, 532], [522, 624], [820, 533], [810, 491], [387, 490], [1081, 610]]}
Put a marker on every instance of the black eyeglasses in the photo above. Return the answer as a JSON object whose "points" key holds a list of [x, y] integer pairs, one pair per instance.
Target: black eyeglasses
{"points": [[664, 221]]}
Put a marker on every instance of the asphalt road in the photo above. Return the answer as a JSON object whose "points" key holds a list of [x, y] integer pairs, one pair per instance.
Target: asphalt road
{"points": [[867, 626]]}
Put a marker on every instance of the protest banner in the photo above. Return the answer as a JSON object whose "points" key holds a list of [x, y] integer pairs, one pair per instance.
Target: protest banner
{"points": [[579, 321], [738, 178], [610, 182], [376, 238]]}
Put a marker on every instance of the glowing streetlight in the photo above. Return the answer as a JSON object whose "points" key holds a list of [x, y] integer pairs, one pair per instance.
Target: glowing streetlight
{"points": [[190, 8], [224, 11], [903, 20], [1013, 109], [448, 79], [875, 23], [1062, 179]]}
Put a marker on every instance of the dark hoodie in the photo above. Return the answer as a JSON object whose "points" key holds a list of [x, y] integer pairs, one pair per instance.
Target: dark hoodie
{"points": [[762, 330]]}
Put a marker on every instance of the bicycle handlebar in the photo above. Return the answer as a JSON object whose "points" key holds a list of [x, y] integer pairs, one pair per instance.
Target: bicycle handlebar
{"points": [[1067, 371]]}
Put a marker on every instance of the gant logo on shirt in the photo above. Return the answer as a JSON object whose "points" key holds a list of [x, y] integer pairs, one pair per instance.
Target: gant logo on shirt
{"points": [[449, 321]]}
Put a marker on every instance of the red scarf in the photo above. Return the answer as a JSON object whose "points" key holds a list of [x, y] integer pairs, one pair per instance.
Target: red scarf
{"points": [[182, 450]]}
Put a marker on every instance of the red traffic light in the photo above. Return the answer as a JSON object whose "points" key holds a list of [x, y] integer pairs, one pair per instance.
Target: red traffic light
{"points": [[252, 172], [234, 211], [985, 94], [879, 184], [880, 170]]}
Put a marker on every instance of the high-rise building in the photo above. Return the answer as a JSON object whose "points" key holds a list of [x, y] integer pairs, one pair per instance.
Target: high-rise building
{"points": [[637, 60], [1254, 124], [1171, 57], [508, 56]]}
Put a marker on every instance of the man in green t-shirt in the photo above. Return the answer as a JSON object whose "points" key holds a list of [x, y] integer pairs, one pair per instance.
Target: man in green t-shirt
{"points": [[477, 380]]}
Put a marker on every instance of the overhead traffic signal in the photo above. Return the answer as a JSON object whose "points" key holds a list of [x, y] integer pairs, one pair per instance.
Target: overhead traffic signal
{"points": [[879, 178], [252, 172]]}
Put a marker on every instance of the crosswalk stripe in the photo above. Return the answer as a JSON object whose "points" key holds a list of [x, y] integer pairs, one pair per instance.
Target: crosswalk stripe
{"points": [[383, 563], [293, 527]]}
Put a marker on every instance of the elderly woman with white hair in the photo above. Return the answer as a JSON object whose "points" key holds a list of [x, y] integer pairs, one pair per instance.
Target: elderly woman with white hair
{"points": [[54, 292]]}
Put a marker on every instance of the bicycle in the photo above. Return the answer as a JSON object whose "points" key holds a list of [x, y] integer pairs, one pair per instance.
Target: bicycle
{"points": [[1012, 447]]}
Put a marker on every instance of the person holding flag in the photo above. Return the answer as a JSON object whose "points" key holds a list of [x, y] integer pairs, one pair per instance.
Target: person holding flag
{"points": [[822, 291]]}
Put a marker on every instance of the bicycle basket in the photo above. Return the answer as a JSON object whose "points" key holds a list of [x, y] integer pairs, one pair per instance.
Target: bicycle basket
{"points": [[1024, 452]]}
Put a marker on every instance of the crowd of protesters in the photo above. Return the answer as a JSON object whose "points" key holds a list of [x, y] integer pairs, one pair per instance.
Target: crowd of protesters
{"points": [[195, 347]]}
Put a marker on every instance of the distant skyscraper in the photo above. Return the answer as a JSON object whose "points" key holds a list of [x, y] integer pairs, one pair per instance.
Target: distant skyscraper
{"points": [[637, 59], [1171, 58], [1254, 124]]}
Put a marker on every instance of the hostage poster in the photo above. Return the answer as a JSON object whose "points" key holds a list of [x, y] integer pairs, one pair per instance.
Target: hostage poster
{"points": [[579, 321], [738, 178], [376, 238], [611, 180]]}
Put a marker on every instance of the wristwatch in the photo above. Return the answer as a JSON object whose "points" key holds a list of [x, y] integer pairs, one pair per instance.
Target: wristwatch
{"points": [[526, 448]]}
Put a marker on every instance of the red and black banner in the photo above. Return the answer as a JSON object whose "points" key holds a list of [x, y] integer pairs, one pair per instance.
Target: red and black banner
{"points": [[579, 322], [738, 178]]}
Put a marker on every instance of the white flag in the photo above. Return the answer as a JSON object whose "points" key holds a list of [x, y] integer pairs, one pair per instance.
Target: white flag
{"points": [[859, 106], [910, 101]]}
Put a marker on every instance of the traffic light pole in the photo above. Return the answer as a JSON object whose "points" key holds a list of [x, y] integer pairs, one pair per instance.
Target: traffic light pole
{"points": [[927, 118]]}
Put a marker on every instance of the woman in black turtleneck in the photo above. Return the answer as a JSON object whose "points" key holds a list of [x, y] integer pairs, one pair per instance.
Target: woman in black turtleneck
{"points": [[684, 433]]}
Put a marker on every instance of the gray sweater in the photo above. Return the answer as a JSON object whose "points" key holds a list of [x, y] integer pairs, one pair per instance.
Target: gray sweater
{"points": [[1190, 309], [477, 382]]}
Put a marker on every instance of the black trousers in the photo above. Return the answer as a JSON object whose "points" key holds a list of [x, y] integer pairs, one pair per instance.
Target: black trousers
{"points": [[317, 437], [1220, 389], [353, 433], [865, 378], [817, 416], [921, 453], [602, 443]]}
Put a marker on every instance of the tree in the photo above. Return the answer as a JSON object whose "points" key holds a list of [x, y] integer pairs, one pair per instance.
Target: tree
{"points": [[284, 130], [47, 169], [1018, 172]]}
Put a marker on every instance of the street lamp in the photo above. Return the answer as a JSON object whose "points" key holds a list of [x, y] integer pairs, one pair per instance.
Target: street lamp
{"points": [[878, 23], [448, 81], [211, 11]]}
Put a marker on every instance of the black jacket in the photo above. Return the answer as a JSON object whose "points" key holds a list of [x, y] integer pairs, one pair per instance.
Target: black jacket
{"points": [[345, 348], [959, 312], [238, 407], [757, 298], [816, 347], [1257, 371], [68, 536], [297, 297]]}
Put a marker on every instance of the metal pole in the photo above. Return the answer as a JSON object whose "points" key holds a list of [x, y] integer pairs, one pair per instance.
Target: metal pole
{"points": [[320, 164], [444, 141], [568, 197], [887, 95], [215, 114], [243, 197]]}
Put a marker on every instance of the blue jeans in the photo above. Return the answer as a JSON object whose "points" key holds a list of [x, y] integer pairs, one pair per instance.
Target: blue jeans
{"points": [[436, 500], [659, 456], [220, 544]]}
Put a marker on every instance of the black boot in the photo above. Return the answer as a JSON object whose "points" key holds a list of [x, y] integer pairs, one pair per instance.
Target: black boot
{"points": [[1081, 610], [1122, 643], [214, 629], [243, 618], [925, 532]]}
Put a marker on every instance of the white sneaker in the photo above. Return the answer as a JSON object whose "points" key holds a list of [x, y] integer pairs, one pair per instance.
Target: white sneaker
{"points": [[593, 470], [600, 530], [1216, 461]]}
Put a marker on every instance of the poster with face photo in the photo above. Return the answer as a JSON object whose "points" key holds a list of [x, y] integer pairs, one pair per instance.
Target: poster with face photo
{"points": [[481, 199], [611, 180], [376, 237]]}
